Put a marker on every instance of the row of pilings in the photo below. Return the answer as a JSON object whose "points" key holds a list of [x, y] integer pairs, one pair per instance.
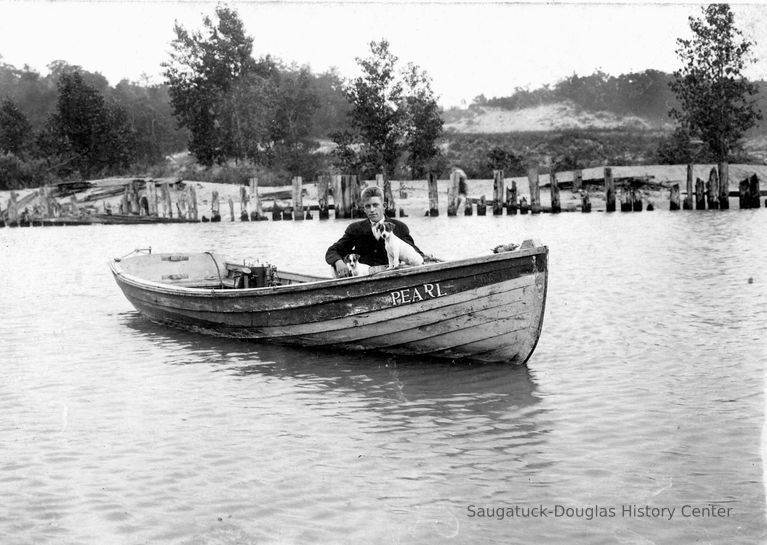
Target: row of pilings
{"points": [[714, 193], [149, 199], [626, 191]]}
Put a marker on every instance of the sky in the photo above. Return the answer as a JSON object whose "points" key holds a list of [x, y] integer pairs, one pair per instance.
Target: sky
{"points": [[468, 48]]}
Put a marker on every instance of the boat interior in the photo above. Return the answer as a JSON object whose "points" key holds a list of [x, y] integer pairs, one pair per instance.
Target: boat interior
{"points": [[208, 270]]}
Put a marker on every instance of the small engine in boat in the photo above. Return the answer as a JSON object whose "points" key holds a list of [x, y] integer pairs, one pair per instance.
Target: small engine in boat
{"points": [[259, 275]]}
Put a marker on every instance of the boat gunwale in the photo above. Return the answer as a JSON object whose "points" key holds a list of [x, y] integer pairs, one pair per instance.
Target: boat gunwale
{"points": [[162, 287]]}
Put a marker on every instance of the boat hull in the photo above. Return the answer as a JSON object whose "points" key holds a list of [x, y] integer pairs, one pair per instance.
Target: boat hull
{"points": [[483, 309]]}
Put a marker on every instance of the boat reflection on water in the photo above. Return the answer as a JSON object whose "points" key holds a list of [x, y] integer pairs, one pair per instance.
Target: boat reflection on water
{"points": [[386, 383]]}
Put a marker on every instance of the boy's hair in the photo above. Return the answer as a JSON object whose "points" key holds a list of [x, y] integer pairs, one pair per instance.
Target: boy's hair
{"points": [[371, 191]]}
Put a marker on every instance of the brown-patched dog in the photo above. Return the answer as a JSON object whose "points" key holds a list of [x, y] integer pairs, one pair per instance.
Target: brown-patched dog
{"points": [[355, 267]]}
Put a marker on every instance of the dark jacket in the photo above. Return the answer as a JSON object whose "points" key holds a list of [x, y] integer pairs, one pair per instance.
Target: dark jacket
{"points": [[358, 239]]}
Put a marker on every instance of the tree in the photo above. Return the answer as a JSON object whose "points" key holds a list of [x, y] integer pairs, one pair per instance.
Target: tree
{"points": [[423, 123], [292, 121], [376, 97], [14, 129], [218, 90], [500, 159], [150, 118], [344, 156], [332, 115], [393, 113], [86, 134], [711, 90]]}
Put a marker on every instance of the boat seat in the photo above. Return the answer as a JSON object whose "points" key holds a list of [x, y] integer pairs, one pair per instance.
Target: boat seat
{"points": [[212, 282]]}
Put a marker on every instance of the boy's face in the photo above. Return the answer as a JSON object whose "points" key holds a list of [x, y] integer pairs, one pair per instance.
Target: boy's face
{"points": [[374, 208]]}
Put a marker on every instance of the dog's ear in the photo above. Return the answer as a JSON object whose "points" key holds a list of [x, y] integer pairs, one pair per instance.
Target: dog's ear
{"points": [[389, 226]]}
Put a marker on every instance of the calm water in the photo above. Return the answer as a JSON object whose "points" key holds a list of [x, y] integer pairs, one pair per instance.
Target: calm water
{"points": [[647, 389]]}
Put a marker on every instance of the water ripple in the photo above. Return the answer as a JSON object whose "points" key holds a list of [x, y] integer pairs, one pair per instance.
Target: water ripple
{"points": [[646, 388]]}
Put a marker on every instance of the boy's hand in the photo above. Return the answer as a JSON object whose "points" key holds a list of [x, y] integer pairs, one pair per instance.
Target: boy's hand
{"points": [[342, 270]]}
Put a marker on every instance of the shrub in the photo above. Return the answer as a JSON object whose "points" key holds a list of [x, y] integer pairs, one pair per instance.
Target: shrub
{"points": [[16, 173]]}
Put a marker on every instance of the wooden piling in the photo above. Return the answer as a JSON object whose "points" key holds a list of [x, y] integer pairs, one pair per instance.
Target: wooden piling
{"points": [[323, 210], [258, 213], [577, 180], [511, 199], [357, 210], [137, 202], [609, 190], [674, 198], [453, 194], [624, 197], [535, 190], [358, 186], [276, 212], [753, 185], [724, 185], [556, 207], [346, 187], [13, 209], [181, 205], [287, 214], [468, 208], [192, 202], [743, 194], [135, 199], [482, 206], [124, 207], [585, 202], [231, 208], [166, 201], [47, 201], [214, 207], [338, 191], [244, 200], [171, 194], [125, 200], [174, 196], [151, 195], [433, 195], [450, 210], [390, 206], [298, 199], [712, 190], [636, 200], [689, 198], [700, 194], [498, 190], [524, 207]]}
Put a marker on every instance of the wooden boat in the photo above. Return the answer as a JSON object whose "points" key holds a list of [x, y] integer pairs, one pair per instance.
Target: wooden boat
{"points": [[487, 308]]}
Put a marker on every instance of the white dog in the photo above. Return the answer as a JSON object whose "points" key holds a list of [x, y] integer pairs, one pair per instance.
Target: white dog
{"points": [[355, 267], [398, 250]]}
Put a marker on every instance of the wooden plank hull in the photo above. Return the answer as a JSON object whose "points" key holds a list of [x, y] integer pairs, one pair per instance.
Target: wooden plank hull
{"points": [[485, 309]]}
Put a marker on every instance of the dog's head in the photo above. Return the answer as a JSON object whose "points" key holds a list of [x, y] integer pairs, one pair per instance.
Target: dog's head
{"points": [[385, 229], [352, 260]]}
